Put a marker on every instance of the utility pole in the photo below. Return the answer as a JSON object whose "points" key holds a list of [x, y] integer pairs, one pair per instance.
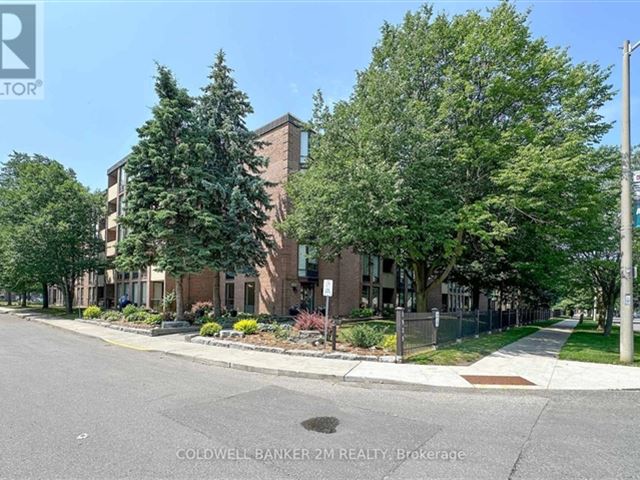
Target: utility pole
{"points": [[626, 217]]}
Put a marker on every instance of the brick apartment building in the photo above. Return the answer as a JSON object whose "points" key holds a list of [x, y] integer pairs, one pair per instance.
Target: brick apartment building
{"points": [[292, 275]]}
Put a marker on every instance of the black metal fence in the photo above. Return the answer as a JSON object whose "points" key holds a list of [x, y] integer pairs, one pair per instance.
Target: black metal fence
{"points": [[420, 331]]}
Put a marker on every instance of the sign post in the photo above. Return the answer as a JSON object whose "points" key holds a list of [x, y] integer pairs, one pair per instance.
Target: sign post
{"points": [[327, 291]]}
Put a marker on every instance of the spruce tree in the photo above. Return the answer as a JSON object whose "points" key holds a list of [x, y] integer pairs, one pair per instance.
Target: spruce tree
{"points": [[238, 194], [168, 219]]}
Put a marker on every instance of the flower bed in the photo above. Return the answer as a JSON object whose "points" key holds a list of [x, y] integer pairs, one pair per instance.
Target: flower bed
{"points": [[361, 341]]}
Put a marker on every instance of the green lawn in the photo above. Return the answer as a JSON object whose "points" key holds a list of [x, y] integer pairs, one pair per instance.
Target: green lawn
{"points": [[473, 349], [587, 344]]}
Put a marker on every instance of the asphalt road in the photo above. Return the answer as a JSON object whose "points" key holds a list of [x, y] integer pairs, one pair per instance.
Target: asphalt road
{"points": [[75, 407]]}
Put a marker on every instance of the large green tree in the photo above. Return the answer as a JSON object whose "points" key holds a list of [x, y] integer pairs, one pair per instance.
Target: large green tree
{"points": [[236, 192], [460, 130], [48, 219]]}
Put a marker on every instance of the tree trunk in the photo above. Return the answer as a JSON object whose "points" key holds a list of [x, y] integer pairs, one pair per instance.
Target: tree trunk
{"points": [[217, 301], [179, 299], [475, 297], [421, 287], [24, 300], [609, 319], [68, 297], [9, 301], [45, 295]]}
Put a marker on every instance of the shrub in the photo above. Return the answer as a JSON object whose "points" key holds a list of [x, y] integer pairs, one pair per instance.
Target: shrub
{"points": [[111, 316], [310, 321], [91, 312], [389, 342], [362, 313], [363, 336], [282, 332], [153, 319], [200, 309], [139, 316], [168, 300], [188, 317], [168, 316], [389, 312], [248, 326], [209, 329], [129, 310]]}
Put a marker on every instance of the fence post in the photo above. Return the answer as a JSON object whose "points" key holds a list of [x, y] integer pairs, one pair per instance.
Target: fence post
{"points": [[490, 320], [399, 333], [459, 339], [477, 323]]}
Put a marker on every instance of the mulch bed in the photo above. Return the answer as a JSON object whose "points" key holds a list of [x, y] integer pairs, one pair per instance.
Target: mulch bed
{"points": [[268, 339]]}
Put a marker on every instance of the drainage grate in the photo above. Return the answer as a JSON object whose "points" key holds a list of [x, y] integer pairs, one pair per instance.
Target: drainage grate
{"points": [[321, 424]]}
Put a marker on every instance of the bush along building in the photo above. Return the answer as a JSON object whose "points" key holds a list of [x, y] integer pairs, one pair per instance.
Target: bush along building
{"points": [[292, 276]]}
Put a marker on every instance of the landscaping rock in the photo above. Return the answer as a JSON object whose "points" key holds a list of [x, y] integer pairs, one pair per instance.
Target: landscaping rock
{"points": [[175, 324], [231, 333]]}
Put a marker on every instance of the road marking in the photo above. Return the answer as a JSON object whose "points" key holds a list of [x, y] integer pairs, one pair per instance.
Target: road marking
{"points": [[124, 345]]}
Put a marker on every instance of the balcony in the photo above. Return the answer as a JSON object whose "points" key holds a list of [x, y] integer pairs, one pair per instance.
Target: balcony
{"points": [[112, 192]]}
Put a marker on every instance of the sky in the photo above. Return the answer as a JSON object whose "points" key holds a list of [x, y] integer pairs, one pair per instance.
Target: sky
{"points": [[99, 62]]}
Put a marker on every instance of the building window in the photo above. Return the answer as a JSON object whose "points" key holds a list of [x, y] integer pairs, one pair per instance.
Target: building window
{"points": [[375, 269], [364, 298], [387, 297], [134, 294], [375, 298], [229, 296], [366, 268], [143, 294], [307, 262], [250, 297], [387, 265], [229, 276], [304, 148], [157, 292], [122, 181]]}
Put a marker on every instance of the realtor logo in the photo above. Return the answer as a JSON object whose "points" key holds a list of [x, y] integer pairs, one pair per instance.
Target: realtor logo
{"points": [[20, 50]]}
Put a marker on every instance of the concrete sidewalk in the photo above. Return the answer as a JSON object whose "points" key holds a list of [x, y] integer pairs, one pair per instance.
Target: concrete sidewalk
{"points": [[532, 359]]}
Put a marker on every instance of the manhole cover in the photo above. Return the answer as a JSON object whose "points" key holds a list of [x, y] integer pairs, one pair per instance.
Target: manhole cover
{"points": [[321, 424]]}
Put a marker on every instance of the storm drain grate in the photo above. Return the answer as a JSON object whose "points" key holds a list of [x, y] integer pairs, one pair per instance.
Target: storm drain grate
{"points": [[321, 424], [497, 380]]}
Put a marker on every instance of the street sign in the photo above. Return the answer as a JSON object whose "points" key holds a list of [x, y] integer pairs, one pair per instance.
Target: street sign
{"points": [[636, 214], [327, 288], [636, 176]]}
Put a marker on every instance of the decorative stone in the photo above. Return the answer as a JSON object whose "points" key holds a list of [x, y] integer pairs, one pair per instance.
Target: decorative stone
{"points": [[231, 333], [175, 324]]}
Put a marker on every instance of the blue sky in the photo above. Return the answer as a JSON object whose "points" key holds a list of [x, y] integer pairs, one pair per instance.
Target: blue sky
{"points": [[99, 62]]}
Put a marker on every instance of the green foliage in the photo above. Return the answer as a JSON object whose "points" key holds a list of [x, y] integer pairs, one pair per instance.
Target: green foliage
{"points": [[129, 310], [209, 329], [363, 336], [282, 332], [92, 311], [137, 316], [389, 342], [153, 318], [111, 316], [47, 226], [249, 327], [195, 197], [362, 313], [468, 125]]}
